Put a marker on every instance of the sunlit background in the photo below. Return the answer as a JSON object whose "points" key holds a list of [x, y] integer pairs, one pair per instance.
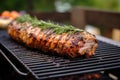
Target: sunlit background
{"points": [[57, 5], [63, 6]]}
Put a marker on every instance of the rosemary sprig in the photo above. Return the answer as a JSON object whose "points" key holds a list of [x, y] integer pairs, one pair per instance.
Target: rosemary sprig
{"points": [[48, 25], [24, 18]]}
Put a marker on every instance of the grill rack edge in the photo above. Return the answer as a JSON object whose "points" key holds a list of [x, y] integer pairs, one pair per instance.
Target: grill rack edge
{"points": [[44, 66]]}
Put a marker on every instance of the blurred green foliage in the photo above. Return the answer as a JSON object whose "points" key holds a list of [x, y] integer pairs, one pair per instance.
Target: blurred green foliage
{"points": [[13, 5], [100, 4], [27, 5], [48, 5], [44, 5]]}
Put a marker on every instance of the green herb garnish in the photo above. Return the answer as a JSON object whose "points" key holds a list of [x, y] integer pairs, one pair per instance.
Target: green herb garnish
{"points": [[48, 25], [24, 18]]}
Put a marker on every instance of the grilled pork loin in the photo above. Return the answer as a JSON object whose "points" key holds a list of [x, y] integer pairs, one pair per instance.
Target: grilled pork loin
{"points": [[52, 38]]}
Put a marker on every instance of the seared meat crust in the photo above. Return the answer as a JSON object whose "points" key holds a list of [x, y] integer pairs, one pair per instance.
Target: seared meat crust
{"points": [[71, 45]]}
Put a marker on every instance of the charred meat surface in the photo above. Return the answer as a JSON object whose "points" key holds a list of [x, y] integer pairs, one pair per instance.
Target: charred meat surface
{"points": [[50, 37]]}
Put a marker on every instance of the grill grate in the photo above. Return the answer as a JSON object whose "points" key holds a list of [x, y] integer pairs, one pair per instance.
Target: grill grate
{"points": [[47, 66]]}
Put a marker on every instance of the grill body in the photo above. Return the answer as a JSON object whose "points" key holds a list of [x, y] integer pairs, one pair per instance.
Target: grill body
{"points": [[39, 65]]}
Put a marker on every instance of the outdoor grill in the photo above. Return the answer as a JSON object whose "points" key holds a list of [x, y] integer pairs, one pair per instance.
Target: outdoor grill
{"points": [[32, 64]]}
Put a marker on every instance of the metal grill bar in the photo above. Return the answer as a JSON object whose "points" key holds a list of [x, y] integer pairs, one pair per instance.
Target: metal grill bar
{"points": [[48, 66]]}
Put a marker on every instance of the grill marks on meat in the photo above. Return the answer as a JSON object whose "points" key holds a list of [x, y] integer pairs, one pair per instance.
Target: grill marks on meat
{"points": [[71, 45]]}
